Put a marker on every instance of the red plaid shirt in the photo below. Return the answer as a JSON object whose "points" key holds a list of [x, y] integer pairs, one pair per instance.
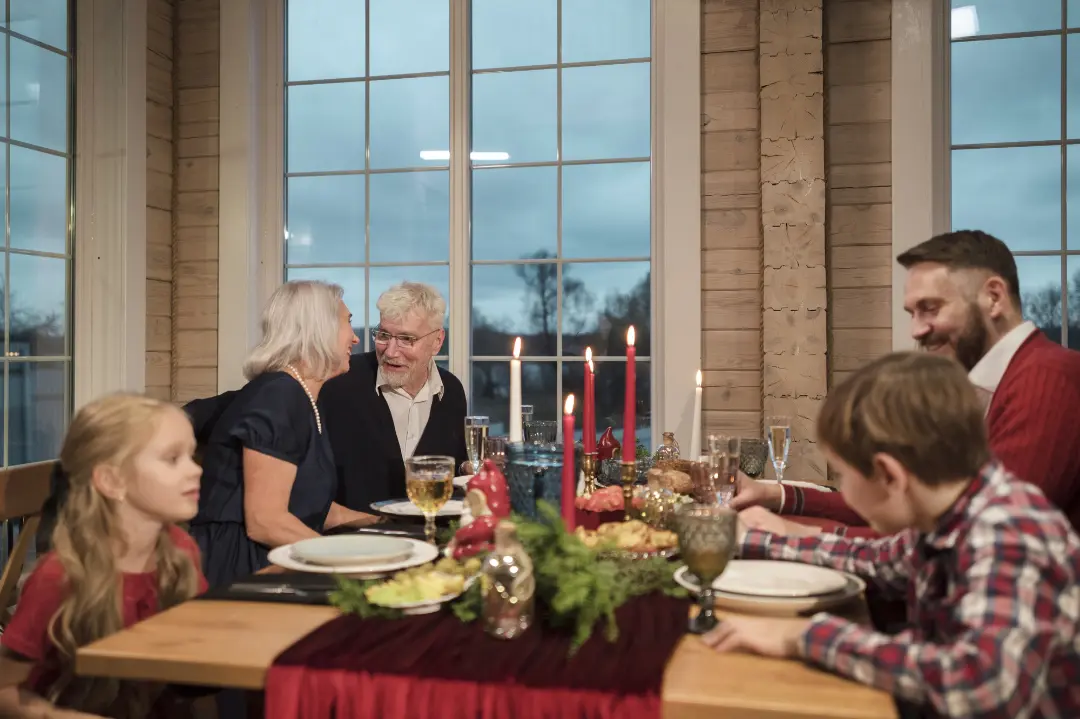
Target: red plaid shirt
{"points": [[993, 599]]}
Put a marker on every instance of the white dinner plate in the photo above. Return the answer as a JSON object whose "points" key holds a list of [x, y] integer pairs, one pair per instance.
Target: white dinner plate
{"points": [[463, 480], [405, 508], [776, 606], [352, 550], [765, 578], [421, 553]]}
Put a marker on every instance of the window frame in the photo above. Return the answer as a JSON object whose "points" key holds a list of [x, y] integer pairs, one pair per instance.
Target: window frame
{"points": [[109, 211], [920, 149], [251, 221]]}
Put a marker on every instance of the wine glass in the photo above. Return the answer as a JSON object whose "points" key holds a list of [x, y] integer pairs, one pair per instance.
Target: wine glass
{"points": [[779, 438], [725, 456], [495, 450], [429, 482], [707, 543], [476, 431]]}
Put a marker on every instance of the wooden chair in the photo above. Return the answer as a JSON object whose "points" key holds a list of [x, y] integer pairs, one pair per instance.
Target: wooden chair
{"points": [[23, 492]]}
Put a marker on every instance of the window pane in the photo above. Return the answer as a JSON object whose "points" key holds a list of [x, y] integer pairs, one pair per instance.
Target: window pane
{"points": [[409, 36], [410, 217], [38, 314], [383, 278], [409, 117], [626, 29], [514, 34], [43, 20], [351, 280], [610, 388], [1040, 290], [326, 127], [606, 112], [514, 212], [1072, 96], [37, 410], [39, 95], [491, 392], [3, 81], [1074, 302], [1006, 90], [39, 204], [992, 17], [606, 210], [325, 219], [516, 113], [325, 39], [600, 301], [1072, 201], [1013, 193], [512, 300], [1074, 21]]}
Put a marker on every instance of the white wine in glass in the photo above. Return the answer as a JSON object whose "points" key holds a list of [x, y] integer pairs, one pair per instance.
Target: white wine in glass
{"points": [[429, 482], [476, 432], [778, 434]]}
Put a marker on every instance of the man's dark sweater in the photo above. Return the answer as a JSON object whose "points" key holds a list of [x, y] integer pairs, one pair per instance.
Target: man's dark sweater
{"points": [[362, 433]]}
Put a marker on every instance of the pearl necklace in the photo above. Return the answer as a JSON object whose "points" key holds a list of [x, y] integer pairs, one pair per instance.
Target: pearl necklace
{"points": [[314, 406]]}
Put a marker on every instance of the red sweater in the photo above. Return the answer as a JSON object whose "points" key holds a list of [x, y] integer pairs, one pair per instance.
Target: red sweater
{"points": [[1032, 429]]}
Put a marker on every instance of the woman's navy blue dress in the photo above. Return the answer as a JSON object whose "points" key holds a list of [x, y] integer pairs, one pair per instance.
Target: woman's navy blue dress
{"points": [[271, 415]]}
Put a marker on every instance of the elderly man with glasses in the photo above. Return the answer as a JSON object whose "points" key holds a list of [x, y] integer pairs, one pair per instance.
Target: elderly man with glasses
{"points": [[394, 402]]}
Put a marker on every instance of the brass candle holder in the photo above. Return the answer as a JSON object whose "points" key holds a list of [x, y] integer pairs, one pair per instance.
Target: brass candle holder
{"points": [[590, 466], [628, 474]]}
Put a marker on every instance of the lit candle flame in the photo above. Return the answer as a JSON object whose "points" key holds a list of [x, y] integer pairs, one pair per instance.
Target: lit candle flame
{"points": [[568, 408], [517, 348], [698, 380], [630, 336], [588, 354]]}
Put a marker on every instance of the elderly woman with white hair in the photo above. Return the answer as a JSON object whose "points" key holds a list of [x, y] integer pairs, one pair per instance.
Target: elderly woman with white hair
{"points": [[394, 402], [268, 468]]}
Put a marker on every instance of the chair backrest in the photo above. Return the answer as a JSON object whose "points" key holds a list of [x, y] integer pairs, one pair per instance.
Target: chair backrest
{"points": [[23, 493]]}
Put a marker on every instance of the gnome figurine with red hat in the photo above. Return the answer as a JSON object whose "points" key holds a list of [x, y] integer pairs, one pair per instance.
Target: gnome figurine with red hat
{"points": [[487, 498]]}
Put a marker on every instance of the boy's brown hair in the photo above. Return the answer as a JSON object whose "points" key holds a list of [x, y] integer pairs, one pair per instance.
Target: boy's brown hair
{"points": [[919, 408]]}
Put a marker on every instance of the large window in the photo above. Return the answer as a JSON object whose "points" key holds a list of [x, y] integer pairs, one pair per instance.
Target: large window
{"points": [[1015, 144], [36, 133], [557, 98]]}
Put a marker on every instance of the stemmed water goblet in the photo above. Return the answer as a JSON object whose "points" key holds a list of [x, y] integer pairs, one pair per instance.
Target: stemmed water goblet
{"points": [[706, 543]]}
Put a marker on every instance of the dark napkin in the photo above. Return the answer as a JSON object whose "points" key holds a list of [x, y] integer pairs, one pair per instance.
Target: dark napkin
{"points": [[291, 588]]}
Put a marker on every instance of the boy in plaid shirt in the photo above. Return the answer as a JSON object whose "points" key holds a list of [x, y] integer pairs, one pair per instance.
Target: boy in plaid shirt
{"points": [[989, 568]]}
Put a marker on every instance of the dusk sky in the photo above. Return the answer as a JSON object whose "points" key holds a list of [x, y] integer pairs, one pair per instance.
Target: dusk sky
{"points": [[605, 116], [1010, 91]]}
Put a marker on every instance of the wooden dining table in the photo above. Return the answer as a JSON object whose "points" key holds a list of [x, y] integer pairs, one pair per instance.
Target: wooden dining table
{"points": [[224, 643]]}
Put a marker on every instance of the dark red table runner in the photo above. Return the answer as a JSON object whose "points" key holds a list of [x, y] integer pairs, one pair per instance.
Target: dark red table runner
{"points": [[435, 667]]}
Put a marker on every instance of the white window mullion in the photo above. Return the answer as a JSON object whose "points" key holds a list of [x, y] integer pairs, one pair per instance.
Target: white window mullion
{"points": [[460, 299]]}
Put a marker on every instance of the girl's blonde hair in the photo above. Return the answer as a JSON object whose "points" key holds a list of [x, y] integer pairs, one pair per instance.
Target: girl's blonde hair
{"points": [[107, 432], [300, 325]]}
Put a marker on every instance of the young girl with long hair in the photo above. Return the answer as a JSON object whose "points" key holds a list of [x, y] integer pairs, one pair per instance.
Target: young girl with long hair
{"points": [[118, 557]]}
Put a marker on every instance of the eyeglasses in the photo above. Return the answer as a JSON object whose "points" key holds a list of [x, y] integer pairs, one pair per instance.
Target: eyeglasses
{"points": [[383, 337]]}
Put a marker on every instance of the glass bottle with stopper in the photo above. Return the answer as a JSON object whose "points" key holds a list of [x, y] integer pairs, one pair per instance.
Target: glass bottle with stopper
{"points": [[507, 585], [668, 451]]}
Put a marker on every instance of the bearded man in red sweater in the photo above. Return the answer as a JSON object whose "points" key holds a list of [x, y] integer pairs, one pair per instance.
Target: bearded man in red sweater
{"points": [[963, 295]]}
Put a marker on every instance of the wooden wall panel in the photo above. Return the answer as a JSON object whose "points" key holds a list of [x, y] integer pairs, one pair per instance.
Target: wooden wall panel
{"points": [[858, 72], [731, 262], [195, 231], [160, 21], [794, 300]]}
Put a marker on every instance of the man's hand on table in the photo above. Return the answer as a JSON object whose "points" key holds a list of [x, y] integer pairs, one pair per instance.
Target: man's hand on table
{"points": [[751, 493], [767, 636], [766, 521]]}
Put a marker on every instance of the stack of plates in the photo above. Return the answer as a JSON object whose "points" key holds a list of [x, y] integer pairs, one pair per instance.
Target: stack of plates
{"points": [[364, 554], [777, 588]]}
